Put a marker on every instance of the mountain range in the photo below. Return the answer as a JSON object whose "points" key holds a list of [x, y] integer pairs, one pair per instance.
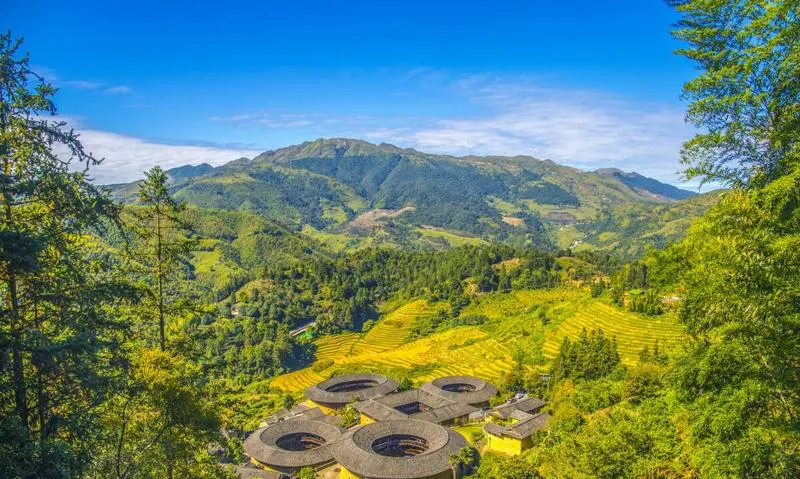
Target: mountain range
{"points": [[347, 194]]}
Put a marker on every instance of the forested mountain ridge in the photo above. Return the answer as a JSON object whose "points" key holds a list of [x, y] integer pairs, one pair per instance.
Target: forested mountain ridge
{"points": [[325, 186]]}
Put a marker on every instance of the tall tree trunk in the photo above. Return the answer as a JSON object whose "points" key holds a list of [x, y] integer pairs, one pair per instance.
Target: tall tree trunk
{"points": [[159, 274], [170, 460], [41, 407], [121, 442], [18, 367], [39, 360]]}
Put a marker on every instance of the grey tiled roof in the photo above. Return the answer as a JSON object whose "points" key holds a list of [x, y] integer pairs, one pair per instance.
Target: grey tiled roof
{"points": [[445, 413], [250, 471], [440, 409], [481, 393], [262, 445], [494, 429], [378, 411], [520, 415], [528, 424], [527, 427], [528, 404], [324, 392], [354, 450]]}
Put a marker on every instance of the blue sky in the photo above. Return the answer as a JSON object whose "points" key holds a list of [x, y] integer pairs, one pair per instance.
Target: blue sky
{"points": [[585, 83]]}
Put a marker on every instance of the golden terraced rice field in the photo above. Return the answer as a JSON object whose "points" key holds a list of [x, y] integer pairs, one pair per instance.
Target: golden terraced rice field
{"points": [[487, 350], [387, 334], [632, 331]]}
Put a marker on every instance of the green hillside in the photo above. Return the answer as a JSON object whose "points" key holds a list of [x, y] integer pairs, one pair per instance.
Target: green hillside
{"points": [[350, 193], [235, 247], [628, 230]]}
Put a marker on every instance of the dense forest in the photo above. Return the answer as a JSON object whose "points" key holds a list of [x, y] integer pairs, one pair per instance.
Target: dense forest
{"points": [[118, 337]]}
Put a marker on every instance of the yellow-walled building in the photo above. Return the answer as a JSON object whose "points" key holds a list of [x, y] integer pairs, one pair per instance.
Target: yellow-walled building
{"points": [[364, 419], [326, 409], [517, 435]]}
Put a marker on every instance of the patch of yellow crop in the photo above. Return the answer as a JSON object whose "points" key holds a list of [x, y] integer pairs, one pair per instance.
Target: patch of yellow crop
{"points": [[356, 348], [632, 331], [486, 351]]}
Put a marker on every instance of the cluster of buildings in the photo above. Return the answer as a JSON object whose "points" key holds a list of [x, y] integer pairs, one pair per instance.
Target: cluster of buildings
{"points": [[400, 435]]}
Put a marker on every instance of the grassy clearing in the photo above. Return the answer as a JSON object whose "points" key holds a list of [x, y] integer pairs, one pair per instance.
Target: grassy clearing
{"points": [[451, 238], [608, 236], [212, 268], [502, 206], [336, 214], [581, 213], [336, 242], [469, 432], [567, 235]]}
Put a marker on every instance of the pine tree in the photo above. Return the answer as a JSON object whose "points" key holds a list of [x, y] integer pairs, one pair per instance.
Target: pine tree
{"points": [[57, 285], [739, 379], [160, 250]]}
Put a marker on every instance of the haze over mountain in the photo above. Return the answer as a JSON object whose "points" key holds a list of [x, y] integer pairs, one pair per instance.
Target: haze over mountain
{"points": [[352, 192]]}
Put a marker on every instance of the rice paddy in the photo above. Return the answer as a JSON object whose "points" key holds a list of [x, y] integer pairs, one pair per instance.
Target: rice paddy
{"points": [[387, 334], [515, 327], [632, 331]]}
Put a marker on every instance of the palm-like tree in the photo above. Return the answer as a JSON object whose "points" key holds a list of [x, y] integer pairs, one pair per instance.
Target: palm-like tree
{"points": [[464, 461]]}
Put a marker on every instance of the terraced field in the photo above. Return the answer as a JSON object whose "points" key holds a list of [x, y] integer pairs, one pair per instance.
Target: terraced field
{"points": [[515, 327], [632, 331], [332, 347], [485, 351], [389, 333]]}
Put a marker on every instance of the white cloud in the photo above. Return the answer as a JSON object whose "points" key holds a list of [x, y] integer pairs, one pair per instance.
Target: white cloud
{"points": [[84, 84], [127, 157], [583, 129], [290, 120], [97, 85], [242, 117], [114, 90], [514, 116], [47, 74]]}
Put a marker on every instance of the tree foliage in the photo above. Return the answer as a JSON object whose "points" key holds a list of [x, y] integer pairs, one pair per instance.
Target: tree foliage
{"points": [[590, 357], [58, 340], [746, 99], [159, 252], [739, 377], [161, 423]]}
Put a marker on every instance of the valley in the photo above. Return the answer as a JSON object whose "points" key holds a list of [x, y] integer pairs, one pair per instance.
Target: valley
{"points": [[513, 334]]}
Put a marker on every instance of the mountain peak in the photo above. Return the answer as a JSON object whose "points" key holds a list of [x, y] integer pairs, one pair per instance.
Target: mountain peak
{"points": [[186, 172], [328, 148], [646, 185], [609, 171]]}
